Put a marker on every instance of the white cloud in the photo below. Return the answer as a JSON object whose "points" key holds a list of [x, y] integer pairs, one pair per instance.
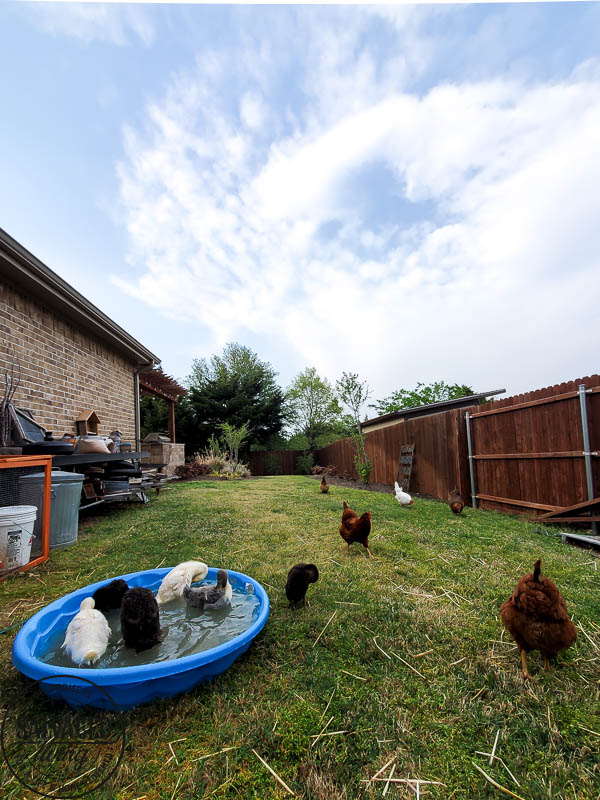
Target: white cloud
{"points": [[252, 110], [226, 214], [88, 22]]}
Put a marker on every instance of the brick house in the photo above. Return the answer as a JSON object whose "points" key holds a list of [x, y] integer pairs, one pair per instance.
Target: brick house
{"points": [[72, 356]]}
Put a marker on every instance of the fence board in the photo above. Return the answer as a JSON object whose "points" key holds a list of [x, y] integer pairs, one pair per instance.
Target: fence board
{"points": [[547, 436], [273, 462]]}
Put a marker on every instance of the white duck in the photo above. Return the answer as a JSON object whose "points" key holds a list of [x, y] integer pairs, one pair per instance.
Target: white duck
{"points": [[178, 578], [402, 497], [87, 634]]}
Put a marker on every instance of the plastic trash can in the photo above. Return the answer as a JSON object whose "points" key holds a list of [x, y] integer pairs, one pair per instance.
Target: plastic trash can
{"points": [[64, 506]]}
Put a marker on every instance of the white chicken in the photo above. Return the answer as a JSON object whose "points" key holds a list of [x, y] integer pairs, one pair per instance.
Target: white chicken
{"points": [[402, 497], [178, 578], [87, 634]]}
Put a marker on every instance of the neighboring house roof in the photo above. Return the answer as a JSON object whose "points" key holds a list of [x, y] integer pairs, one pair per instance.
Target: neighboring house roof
{"points": [[431, 408], [23, 270]]}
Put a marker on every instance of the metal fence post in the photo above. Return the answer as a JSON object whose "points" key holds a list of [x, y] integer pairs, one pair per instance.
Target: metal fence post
{"points": [[586, 447], [471, 470]]}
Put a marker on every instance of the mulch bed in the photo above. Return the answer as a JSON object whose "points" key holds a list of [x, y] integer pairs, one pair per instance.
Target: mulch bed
{"points": [[335, 480]]}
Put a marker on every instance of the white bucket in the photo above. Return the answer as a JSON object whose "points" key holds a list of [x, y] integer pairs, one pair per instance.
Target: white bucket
{"points": [[16, 536]]}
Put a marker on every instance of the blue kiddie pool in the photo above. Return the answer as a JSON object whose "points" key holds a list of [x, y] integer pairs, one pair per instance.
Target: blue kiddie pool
{"points": [[127, 687]]}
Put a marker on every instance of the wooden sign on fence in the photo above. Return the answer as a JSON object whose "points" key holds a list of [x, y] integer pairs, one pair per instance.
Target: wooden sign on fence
{"points": [[405, 466]]}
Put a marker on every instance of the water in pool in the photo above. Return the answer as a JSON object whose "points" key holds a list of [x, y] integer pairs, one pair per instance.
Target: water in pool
{"points": [[185, 631]]}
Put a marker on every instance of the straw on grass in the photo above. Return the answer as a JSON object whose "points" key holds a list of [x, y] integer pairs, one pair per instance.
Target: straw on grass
{"points": [[479, 753], [497, 785], [387, 785], [274, 774], [176, 787], [379, 648], [493, 753], [328, 704], [317, 736], [424, 653], [323, 631], [385, 766], [210, 755], [416, 671], [358, 678]]}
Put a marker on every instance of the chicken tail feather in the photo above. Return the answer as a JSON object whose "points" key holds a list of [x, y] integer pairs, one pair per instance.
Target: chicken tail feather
{"points": [[536, 569]]}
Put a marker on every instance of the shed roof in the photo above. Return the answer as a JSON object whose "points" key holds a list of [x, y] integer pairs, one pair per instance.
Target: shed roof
{"points": [[431, 408], [23, 270]]}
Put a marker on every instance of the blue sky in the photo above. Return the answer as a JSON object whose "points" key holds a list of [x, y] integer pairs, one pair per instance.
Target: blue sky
{"points": [[406, 192]]}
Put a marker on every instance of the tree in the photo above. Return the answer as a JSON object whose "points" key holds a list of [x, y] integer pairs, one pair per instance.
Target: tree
{"points": [[235, 388], [233, 438], [154, 417], [421, 395], [313, 408], [354, 394]]}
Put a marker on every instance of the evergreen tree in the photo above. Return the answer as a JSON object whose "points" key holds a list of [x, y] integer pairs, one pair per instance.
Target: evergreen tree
{"points": [[235, 388]]}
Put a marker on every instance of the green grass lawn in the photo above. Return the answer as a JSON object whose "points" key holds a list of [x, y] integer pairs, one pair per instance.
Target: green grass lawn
{"points": [[414, 664]]}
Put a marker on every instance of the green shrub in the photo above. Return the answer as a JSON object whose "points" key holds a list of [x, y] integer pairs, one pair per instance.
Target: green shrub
{"points": [[304, 464], [218, 463], [363, 466]]}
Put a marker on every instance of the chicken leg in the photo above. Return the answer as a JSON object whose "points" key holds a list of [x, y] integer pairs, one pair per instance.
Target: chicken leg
{"points": [[524, 662], [546, 664]]}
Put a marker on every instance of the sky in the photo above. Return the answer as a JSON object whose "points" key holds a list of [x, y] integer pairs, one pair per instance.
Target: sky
{"points": [[405, 192]]}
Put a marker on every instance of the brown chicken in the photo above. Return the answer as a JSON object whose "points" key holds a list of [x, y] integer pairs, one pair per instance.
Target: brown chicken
{"points": [[455, 501], [355, 528], [536, 617], [324, 485]]}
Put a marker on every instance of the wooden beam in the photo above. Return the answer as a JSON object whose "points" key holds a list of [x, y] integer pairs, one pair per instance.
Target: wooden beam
{"points": [[565, 454], [172, 421], [541, 401], [587, 505], [525, 504], [583, 520], [147, 389]]}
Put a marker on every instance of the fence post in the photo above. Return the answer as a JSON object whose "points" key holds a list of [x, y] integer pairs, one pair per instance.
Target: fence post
{"points": [[471, 470], [586, 447]]}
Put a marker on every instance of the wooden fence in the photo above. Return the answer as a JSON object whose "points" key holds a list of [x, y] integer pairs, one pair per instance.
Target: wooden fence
{"points": [[528, 451], [273, 462], [440, 460]]}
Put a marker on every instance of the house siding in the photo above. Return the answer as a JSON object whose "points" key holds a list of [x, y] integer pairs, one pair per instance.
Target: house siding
{"points": [[64, 370]]}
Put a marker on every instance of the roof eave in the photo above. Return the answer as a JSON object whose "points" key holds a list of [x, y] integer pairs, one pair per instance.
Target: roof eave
{"points": [[440, 406], [26, 271]]}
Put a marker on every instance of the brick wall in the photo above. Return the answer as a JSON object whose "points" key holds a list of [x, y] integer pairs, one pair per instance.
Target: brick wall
{"points": [[63, 370]]}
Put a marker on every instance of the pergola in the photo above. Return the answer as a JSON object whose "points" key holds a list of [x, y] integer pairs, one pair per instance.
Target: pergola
{"points": [[154, 382]]}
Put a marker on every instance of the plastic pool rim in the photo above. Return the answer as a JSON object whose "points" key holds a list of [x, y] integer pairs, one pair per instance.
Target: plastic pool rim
{"points": [[32, 667]]}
